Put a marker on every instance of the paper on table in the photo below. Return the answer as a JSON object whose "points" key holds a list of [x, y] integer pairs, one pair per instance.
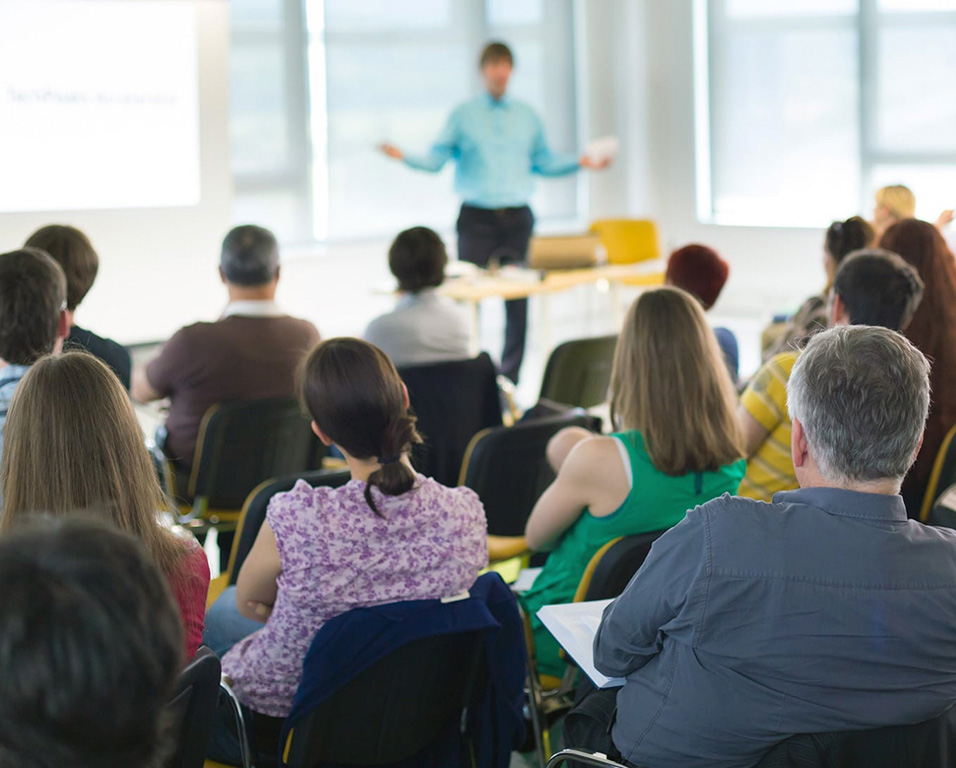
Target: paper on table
{"points": [[525, 579], [604, 148], [574, 626]]}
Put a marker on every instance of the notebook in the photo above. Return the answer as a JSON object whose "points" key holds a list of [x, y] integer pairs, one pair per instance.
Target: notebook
{"points": [[574, 626]]}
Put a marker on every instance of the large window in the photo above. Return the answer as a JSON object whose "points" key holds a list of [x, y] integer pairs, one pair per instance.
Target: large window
{"points": [[805, 107], [318, 84]]}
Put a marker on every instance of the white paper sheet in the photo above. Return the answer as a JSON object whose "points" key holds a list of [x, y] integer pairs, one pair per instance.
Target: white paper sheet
{"points": [[525, 579], [604, 148], [574, 626]]}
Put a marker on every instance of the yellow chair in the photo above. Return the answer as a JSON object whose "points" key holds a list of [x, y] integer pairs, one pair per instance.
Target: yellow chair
{"points": [[628, 241]]}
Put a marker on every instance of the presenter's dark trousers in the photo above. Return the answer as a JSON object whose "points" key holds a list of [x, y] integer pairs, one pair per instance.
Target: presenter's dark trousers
{"points": [[501, 234]]}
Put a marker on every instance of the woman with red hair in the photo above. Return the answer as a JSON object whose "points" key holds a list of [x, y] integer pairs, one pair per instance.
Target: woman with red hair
{"points": [[701, 272], [933, 331]]}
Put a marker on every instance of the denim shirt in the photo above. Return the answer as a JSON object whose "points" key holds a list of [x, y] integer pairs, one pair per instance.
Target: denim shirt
{"points": [[9, 378], [749, 622]]}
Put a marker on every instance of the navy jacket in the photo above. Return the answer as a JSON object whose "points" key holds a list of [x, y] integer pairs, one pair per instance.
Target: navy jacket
{"points": [[353, 641]]}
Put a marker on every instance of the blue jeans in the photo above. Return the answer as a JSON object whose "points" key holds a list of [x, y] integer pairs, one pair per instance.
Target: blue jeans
{"points": [[225, 626]]}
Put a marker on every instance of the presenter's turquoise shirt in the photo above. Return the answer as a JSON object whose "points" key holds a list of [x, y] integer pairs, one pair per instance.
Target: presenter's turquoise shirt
{"points": [[497, 144]]}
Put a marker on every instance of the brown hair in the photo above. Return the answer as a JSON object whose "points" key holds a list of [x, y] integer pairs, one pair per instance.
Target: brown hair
{"points": [[670, 383], [72, 250], [417, 258], [72, 443], [355, 396], [932, 330], [495, 52], [32, 293]]}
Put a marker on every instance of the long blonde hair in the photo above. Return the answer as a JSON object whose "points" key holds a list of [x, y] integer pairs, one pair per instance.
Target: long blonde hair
{"points": [[72, 443], [670, 382]]}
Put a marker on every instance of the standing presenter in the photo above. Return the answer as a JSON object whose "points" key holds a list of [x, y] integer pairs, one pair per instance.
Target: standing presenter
{"points": [[498, 144]]}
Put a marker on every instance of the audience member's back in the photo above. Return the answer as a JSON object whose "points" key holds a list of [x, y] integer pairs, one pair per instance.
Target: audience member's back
{"points": [[33, 319], [72, 250], [250, 353], [90, 648], [424, 327]]}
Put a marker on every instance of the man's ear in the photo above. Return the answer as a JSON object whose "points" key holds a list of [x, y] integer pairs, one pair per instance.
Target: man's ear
{"points": [[222, 276], [63, 324], [838, 313], [798, 444], [320, 434]]}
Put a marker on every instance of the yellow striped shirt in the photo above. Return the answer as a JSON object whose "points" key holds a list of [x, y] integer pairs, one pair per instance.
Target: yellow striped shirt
{"points": [[770, 469]]}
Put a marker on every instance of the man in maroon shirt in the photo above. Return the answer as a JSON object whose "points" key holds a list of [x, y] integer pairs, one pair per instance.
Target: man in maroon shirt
{"points": [[250, 353]]}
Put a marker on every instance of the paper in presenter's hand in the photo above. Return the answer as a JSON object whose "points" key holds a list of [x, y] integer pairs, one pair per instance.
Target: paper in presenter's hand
{"points": [[604, 148]]}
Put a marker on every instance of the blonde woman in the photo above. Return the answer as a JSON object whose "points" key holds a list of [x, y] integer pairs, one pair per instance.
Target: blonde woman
{"points": [[678, 445], [71, 444]]}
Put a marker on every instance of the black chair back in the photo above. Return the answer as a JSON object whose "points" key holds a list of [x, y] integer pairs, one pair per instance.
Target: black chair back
{"points": [[578, 372], [930, 744], [452, 401], [241, 444], [943, 512], [192, 708], [254, 510], [943, 474], [373, 719], [618, 565], [508, 469]]}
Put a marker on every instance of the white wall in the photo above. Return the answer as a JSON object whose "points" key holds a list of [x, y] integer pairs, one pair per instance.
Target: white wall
{"points": [[158, 266]]}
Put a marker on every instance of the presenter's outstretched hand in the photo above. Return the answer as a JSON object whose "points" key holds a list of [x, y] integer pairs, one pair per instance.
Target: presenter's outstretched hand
{"points": [[391, 150], [594, 165]]}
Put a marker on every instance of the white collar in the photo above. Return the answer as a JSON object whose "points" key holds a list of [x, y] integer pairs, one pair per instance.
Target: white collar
{"points": [[252, 308]]}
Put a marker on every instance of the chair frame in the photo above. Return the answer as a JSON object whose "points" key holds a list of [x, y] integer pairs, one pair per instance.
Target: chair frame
{"points": [[933, 491]]}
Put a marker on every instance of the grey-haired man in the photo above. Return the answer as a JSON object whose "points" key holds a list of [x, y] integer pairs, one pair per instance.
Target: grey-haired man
{"points": [[825, 610]]}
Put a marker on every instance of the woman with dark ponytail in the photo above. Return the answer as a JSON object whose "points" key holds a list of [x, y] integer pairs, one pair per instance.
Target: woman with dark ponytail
{"points": [[842, 238], [388, 535]]}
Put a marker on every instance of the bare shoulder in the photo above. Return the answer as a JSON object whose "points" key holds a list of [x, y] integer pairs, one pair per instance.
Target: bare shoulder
{"points": [[595, 456]]}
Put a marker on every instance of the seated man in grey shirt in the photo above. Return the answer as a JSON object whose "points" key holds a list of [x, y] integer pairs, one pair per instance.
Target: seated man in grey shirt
{"points": [[424, 327], [825, 610]]}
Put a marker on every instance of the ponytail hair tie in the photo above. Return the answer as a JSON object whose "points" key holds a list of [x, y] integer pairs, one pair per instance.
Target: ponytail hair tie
{"points": [[390, 460]]}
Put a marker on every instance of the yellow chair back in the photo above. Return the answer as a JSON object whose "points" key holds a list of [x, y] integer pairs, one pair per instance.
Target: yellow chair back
{"points": [[627, 241]]}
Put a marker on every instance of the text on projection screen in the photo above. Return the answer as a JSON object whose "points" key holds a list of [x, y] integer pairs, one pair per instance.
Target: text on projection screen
{"points": [[99, 104]]}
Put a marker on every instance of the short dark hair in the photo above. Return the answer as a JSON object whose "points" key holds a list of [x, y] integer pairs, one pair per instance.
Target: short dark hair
{"points": [[878, 288], [417, 258], [250, 255], [32, 293], [90, 646], [74, 252], [494, 52]]}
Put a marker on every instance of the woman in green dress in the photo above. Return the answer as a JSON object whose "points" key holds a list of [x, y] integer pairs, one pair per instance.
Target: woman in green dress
{"points": [[677, 444]]}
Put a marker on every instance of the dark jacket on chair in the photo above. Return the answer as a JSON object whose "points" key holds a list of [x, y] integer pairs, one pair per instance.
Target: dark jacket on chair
{"points": [[350, 643]]}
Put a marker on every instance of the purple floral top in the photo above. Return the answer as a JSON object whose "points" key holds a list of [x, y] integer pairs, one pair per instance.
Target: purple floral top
{"points": [[337, 555]]}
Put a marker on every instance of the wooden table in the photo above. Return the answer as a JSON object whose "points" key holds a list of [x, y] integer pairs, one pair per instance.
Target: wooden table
{"points": [[514, 283]]}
